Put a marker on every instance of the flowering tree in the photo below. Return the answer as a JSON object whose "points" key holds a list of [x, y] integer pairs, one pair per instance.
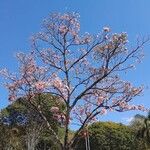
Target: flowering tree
{"points": [[83, 71]]}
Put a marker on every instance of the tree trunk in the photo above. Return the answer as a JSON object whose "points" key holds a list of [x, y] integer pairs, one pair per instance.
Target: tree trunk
{"points": [[66, 145]]}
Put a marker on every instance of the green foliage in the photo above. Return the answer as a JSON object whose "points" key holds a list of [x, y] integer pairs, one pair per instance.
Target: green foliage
{"points": [[141, 125], [103, 135], [11, 138], [111, 136], [16, 133]]}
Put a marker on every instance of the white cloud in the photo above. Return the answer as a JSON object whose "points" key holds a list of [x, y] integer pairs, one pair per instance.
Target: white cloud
{"points": [[127, 120]]}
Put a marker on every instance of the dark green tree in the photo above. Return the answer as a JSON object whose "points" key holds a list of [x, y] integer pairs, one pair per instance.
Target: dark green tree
{"points": [[23, 124], [141, 125]]}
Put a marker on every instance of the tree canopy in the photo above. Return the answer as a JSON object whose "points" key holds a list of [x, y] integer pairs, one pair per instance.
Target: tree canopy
{"points": [[83, 70], [23, 128], [111, 136]]}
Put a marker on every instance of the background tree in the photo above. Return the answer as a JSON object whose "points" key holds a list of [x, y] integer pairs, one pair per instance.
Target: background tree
{"points": [[11, 138], [111, 136], [84, 71], [24, 126], [141, 125]]}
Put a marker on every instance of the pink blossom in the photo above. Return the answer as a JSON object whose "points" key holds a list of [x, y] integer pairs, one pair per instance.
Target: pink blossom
{"points": [[12, 97], [57, 82], [40, 85], [63, 29], [103, 111], [100, 100], [135, 91]]}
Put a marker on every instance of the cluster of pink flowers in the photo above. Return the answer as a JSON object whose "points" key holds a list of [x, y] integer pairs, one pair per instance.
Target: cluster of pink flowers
{"points": [[103, 111], [57, 83], [120, 38], [30, 69], [58, 115], [66, 23], [100, 100], [40, 85], [12, 97], [63, 29], [28, 65], [14, 88], [124, 105], [82, 112], [135, 91], [137, 107]]}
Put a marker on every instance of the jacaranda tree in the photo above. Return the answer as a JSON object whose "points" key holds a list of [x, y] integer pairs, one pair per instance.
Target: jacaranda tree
{"points": [[83, 71]]}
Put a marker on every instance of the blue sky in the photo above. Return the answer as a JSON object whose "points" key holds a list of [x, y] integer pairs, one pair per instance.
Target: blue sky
{"points": [[19, 19]]}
